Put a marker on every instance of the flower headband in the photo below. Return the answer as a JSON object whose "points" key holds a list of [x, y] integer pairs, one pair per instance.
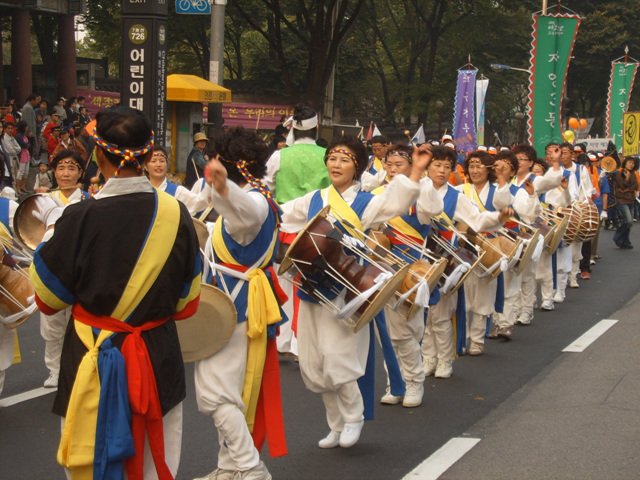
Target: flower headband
{"points": [[344, 152], [129, 156], [399, 153]]}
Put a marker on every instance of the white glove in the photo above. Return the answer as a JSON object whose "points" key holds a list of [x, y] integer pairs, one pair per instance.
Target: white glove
{"points": [[604, 215], [48, 210]]}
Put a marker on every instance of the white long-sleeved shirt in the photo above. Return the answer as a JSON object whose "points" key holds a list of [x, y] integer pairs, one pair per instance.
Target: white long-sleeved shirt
{"points": [[395, 200], [195, 202]]}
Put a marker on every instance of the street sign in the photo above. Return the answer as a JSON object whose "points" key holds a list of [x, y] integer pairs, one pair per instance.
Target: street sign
{"points": [[630, 133], [193, 7]]}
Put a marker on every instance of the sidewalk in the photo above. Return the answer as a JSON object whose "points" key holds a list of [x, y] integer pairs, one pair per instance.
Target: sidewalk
{"points": [[578, 419]]}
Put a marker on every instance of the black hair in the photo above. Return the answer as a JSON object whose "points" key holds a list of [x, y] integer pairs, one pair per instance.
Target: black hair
{"points": [[161, 149], [67, 153], [239, 144], [21, 127], [485, 158], [510, 157], [542, 163], [210, 150], [355, 146], [400, 147], [80, 98], [528, 150], [32, 96], [549, 145], [440, 152], [303, 112], [125, 128], [277, 139], [567, 145], [378, 139], [6, 124]]}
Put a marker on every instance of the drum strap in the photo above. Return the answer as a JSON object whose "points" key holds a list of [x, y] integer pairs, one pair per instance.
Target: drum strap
{"points": [[347, 216]]}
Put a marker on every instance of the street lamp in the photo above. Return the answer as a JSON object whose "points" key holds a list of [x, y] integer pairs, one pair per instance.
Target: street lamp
{"points": [[498, 67], [439, 106]]}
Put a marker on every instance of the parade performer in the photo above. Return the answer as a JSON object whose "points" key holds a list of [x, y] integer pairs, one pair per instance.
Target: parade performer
{"points": [[406, 334], [156, 169], [8, 337], [523, 291], [291, 173], [128, 262], [438, 346], [376, 174], [239, 386], [585, 194], [67, 169], [480, 293], [332, 357]]}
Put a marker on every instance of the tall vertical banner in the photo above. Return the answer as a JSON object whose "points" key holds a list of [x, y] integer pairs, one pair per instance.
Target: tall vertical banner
{"points": [[143, 67], [464, 121], [553, 40], [481, 94], [620, 86]]}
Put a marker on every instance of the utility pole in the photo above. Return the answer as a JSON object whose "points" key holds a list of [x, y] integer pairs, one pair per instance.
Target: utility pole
{"points": [[216, 60]]}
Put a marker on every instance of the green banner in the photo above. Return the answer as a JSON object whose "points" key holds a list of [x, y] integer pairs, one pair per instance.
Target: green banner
{"points": [[553, 39], [620, 86]]}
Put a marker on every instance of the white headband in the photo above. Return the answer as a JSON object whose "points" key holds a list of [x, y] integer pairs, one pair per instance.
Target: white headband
{"points": [[306, 124]]}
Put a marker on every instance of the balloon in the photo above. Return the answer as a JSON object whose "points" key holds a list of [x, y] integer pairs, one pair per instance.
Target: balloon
{"points": [[583, 124], [569, 136], [574, 123]]}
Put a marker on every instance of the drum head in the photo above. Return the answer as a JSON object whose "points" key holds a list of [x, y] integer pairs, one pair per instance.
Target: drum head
{"points": [[28, 228], [201, 231], [206, 332], [525, 258], [381, 299], [287, 262], [561, 227]]}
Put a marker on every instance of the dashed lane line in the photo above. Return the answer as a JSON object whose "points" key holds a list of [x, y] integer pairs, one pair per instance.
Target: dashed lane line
{"points": [[590, 336], [441, 460], [23, 397]]}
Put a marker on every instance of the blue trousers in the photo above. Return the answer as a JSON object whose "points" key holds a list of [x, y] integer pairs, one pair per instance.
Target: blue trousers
{"points": [[621, 237]]}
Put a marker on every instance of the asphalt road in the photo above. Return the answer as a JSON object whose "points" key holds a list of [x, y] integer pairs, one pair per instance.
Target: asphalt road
{"points": [[492, 398]]}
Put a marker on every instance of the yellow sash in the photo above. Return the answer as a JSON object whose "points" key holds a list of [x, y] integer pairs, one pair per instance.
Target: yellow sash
{"points": [[472, 194], [77, 445], [344, 211], [262, 310], [398, 223]]}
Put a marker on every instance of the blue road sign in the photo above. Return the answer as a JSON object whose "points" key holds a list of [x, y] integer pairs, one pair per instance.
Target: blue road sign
{"points": [[193, 7]]}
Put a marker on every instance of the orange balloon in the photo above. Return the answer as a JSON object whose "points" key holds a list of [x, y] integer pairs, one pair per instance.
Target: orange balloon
{"points": [[574, 123], [583, 124]]}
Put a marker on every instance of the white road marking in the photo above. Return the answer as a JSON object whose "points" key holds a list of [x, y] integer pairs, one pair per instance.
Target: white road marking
{"points": [[23, 397], [590, 336], [441, 460]]}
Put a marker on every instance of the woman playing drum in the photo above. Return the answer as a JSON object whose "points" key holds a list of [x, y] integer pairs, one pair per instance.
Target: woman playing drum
{"points": [[438, 342], [480, 293], [332, 357], [406, 334]]}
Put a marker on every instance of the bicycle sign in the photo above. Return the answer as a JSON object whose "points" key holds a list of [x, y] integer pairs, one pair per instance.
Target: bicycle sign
{"points": [[193, 7]]}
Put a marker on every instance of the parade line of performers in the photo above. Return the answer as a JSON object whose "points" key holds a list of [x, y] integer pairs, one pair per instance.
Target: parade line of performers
{"points": [[118, 270]]}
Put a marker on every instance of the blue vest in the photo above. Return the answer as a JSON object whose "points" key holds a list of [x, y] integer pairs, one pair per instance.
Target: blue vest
{"points": [[171, 189], [4, 213]]}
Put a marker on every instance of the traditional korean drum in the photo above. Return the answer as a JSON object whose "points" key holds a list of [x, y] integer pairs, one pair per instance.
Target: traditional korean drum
{"points": [[324, 261]]}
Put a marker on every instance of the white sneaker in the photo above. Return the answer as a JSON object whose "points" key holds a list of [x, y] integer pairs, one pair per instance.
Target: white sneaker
{"points": [[52, 381], [444, 368], [547, 305], [573, 283], [259, 472], [429, 364], [219, 474], [413, 395], [390, 399], [524, 318], [558, 297], [330, 441], [351, 434]]}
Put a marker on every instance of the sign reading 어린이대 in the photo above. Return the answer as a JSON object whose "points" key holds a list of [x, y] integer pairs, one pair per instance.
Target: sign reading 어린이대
{"points": [[144, 60]]}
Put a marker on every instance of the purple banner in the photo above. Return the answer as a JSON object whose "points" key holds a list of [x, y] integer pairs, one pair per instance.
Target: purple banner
{"points": [[464, 119]]}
